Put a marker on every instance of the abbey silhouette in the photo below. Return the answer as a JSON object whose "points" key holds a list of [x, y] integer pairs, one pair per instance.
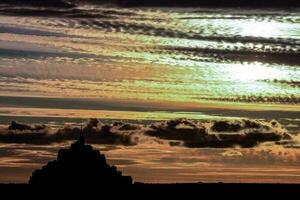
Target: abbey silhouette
{"points": [[79, 165]]}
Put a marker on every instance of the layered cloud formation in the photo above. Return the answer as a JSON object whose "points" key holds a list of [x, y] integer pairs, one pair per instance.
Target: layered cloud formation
{"points": [[195, 134], [244, 133], [51, 3], [171, 3]]}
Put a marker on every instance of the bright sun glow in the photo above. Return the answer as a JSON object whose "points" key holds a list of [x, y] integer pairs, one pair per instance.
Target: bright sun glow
{"points": [[255, 71], [262, 29]]}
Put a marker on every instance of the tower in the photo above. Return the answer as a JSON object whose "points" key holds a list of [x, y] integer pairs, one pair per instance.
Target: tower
{"points": [[81, 140]]}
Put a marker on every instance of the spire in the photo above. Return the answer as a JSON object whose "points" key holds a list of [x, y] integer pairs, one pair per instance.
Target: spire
{"points": [[81, 140]]}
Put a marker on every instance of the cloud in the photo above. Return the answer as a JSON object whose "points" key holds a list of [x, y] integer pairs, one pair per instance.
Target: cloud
{"points": [[22, 127], [289, 99], [96, 133], [220, 134], [211, 3], [166, 3], [180, 132], [260, 156], [50, 3]]}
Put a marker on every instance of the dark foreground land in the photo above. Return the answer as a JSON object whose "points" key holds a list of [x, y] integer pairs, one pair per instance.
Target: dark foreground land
{"points": [[151, 189]]}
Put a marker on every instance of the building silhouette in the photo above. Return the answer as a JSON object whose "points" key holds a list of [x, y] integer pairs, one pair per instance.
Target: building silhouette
{"points": [[79, 165]]}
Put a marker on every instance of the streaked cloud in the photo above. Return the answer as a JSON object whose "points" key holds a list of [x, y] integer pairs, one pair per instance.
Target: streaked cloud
{"points": [[194, 134]]}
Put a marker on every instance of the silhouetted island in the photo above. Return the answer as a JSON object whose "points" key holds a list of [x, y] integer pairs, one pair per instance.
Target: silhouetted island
{"points": [[79, 165]]}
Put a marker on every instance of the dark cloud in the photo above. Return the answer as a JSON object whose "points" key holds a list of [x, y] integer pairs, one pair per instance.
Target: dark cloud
{"points": [[50, 3], [292, 99], [22, 127], [217, 134], [153, 3], [95, 131], [211, 3], [291, 83], [239, 54]]}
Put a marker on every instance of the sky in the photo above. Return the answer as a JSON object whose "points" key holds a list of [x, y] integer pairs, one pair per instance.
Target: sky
{"points": [[146, 67]]}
